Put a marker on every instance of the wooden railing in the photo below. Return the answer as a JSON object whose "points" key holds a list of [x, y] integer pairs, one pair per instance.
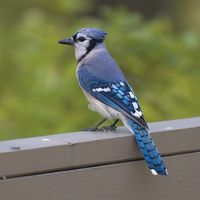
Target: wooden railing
{"points": [[102, 165]]}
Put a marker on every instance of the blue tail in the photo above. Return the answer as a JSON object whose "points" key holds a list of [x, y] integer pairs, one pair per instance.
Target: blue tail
{"points": [[148, 148]]}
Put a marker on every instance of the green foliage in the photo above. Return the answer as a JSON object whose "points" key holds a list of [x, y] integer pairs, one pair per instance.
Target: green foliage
{"points": [[38, 89]]}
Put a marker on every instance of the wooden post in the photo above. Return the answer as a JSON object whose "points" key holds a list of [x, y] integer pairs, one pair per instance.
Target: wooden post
{"points": [[102, 165]]}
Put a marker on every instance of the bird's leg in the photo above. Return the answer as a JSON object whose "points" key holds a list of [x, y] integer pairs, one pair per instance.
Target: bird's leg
{"points": [[112, 127], [96, 127]]}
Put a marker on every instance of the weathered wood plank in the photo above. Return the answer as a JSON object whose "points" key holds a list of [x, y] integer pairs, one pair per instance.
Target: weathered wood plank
{"points": [[74, 150], [129, 180]]}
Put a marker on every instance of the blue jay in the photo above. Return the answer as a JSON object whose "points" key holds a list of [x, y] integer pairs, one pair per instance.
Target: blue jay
{"points": [[109, 93]]}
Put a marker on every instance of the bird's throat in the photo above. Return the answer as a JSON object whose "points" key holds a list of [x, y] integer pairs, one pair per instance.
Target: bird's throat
{"points": [[83, 52]]}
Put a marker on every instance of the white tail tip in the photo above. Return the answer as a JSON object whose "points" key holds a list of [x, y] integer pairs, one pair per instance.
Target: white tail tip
{"points": [[153, 171]]}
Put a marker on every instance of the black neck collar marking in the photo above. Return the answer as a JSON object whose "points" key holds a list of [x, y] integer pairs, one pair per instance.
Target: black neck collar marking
{"points": [[93, 43]]}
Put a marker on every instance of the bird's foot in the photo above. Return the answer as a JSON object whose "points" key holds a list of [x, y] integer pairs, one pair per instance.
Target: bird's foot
{"points": [[102, 129], [108, 128], [112, 127], [96, 128]]}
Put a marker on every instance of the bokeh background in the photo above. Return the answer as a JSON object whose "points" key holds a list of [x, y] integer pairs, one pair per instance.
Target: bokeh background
{"points": [[156, 43]]}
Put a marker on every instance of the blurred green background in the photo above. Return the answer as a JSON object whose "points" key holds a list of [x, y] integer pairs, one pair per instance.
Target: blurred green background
{"points": [[156, 43]]}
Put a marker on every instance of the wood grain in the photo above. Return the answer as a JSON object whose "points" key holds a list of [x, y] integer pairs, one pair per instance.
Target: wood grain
{"points": [[128, 180]]}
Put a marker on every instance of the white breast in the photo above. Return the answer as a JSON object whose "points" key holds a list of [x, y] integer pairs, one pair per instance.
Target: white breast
{"points": [[101, 108]]}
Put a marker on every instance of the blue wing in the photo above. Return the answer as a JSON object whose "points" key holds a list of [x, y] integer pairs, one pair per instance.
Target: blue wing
{"points": [[116, 94]]}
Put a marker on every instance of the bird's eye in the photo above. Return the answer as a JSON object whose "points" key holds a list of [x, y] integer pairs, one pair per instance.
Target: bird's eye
{"points": [[81, 39]]}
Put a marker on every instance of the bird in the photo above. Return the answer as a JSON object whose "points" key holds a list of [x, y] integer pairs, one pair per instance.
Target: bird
{"points": [[109, 93]]}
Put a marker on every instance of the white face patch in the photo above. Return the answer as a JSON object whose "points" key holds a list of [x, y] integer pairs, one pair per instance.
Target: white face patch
{"points": [[80, 47], [79, 51], [107, 89]]}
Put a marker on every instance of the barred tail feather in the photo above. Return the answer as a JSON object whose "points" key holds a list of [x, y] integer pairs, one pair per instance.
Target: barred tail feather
{"points": [[148, 148]]}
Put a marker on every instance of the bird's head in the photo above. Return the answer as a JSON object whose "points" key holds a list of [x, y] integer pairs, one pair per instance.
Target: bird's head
{"points": [[84, 41]]}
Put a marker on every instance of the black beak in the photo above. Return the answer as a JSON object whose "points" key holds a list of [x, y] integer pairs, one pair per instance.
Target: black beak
{"points": [[68, 41]]}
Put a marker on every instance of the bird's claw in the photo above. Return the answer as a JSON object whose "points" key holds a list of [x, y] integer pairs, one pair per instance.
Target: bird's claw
{"points": [[103, 129], [92, 129], [112, 127], [108, 128]]}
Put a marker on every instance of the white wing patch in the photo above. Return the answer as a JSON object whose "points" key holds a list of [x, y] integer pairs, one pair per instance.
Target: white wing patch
{"points": [[138, 113], [107, 89], [135, 105], [131, 95], [122, 84]]}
